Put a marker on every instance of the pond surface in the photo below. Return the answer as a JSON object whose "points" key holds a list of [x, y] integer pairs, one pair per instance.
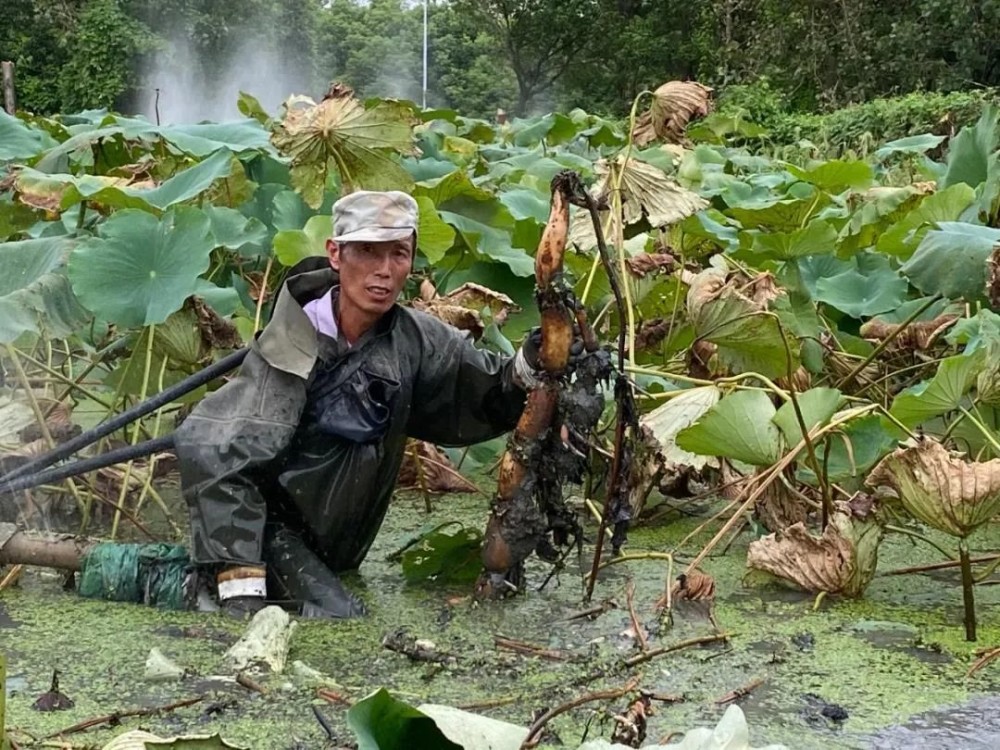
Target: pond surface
{"points": [[888, 671]]}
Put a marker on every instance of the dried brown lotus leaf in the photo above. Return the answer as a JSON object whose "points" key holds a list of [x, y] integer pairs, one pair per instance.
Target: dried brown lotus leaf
{"points": [[801, 380], [988, 381], [693, 586], [841, 561], [461, 318], [434, 473], [427, 290], [216, 331], [644, 264], [993, 278], [643, 133], [778, 508], [651, 333], [675, 104], [646, 193], [916, 336], [704, 287], [476, 297], [941, 489]]}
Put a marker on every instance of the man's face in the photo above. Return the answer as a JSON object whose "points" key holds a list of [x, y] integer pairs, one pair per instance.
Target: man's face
{"points": [[372, 274]]}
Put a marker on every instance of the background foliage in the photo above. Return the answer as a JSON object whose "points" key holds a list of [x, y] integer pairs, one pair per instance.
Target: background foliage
{"points": [[773, 59]]}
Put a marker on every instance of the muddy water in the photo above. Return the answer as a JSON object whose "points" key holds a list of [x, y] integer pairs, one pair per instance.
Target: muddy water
{"points": [[863, 674]]}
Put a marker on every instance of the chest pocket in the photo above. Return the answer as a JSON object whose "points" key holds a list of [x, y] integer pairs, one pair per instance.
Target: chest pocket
{"points": [[353, 399]]}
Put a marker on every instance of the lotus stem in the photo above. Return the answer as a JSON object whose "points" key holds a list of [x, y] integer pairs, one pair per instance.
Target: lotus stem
{"points": [[967, 591], [921, 537], [986, 431], [885, 343], [151, 333], [262, 294]]}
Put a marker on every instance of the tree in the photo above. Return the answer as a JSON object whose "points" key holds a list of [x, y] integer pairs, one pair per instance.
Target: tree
{"points": [[541, 38]]}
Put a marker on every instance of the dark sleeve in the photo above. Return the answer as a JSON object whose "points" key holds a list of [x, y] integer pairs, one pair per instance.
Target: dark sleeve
{"points": [[461, 395], [233, 431]]}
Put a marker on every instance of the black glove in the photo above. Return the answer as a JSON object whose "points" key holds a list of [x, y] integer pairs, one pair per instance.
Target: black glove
{"points": [[533, 344]]}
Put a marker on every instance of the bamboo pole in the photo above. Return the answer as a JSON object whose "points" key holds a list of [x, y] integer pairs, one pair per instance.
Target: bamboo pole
{"points": [[9, 99], [43, 549]]}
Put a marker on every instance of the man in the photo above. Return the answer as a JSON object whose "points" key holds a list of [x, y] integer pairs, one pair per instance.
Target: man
{"points": [[288, 469]]}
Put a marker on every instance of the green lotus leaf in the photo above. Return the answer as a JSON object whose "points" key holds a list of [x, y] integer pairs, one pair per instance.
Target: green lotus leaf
{"points": [[434, 236], [62, 191], [864, 286], [35, 294], [817, 405], [816, 238], [739, 427], [939, 488], [293, 245], [380, 722], [141, 268], [914, 144], [448, 553], [20, 141], [232, 230], [836, 175], [972, 154], [942, 393], [747, 339], [903, 237], [952, 260]]}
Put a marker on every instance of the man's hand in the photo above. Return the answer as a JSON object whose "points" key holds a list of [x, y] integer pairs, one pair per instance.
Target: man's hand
{"points": [[527, 365]]}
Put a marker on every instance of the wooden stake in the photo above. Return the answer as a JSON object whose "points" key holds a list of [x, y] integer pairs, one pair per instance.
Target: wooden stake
{"points": [[9, 99]]}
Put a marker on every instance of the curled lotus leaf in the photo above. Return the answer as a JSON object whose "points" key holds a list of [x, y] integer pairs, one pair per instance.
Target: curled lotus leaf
{"points": [[940, 488], [462, 307], [842, 561], [646, 193], [675, 104]]}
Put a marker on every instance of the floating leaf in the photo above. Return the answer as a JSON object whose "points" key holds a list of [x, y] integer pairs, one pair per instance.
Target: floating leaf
{"points": [[943, 393], [739, 427], [842, 561], [941, 489], [140, 269], [817, 405], [35, 294], [380, 722], [952, 260], [447, 554], [138, 739]]}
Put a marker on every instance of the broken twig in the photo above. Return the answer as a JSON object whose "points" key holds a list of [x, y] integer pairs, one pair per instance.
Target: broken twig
{"points": [[530, 649], [741, 692], [641, 658], [600, 695], [117, 716]]}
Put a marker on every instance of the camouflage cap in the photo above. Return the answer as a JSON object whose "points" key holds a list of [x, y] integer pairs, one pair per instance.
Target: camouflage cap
{"points": [[369, 216]]}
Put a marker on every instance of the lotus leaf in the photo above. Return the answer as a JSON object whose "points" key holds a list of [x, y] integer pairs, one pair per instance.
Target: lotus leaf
{"points": [[381, 722], [340, 131], [866, 285], [943, 393], [841, 561], [681, 411], [34, 291], [903, 237], [972, 155], [140, 268], [816, 238], [294, 245], [739, 427], [952, 260], [748, 339], [138, 739], [434, 236], [817, 405], [18, 140], [940, 488]]}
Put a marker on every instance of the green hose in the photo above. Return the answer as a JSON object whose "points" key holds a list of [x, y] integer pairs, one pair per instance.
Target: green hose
{"points": [[153, 574]]}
